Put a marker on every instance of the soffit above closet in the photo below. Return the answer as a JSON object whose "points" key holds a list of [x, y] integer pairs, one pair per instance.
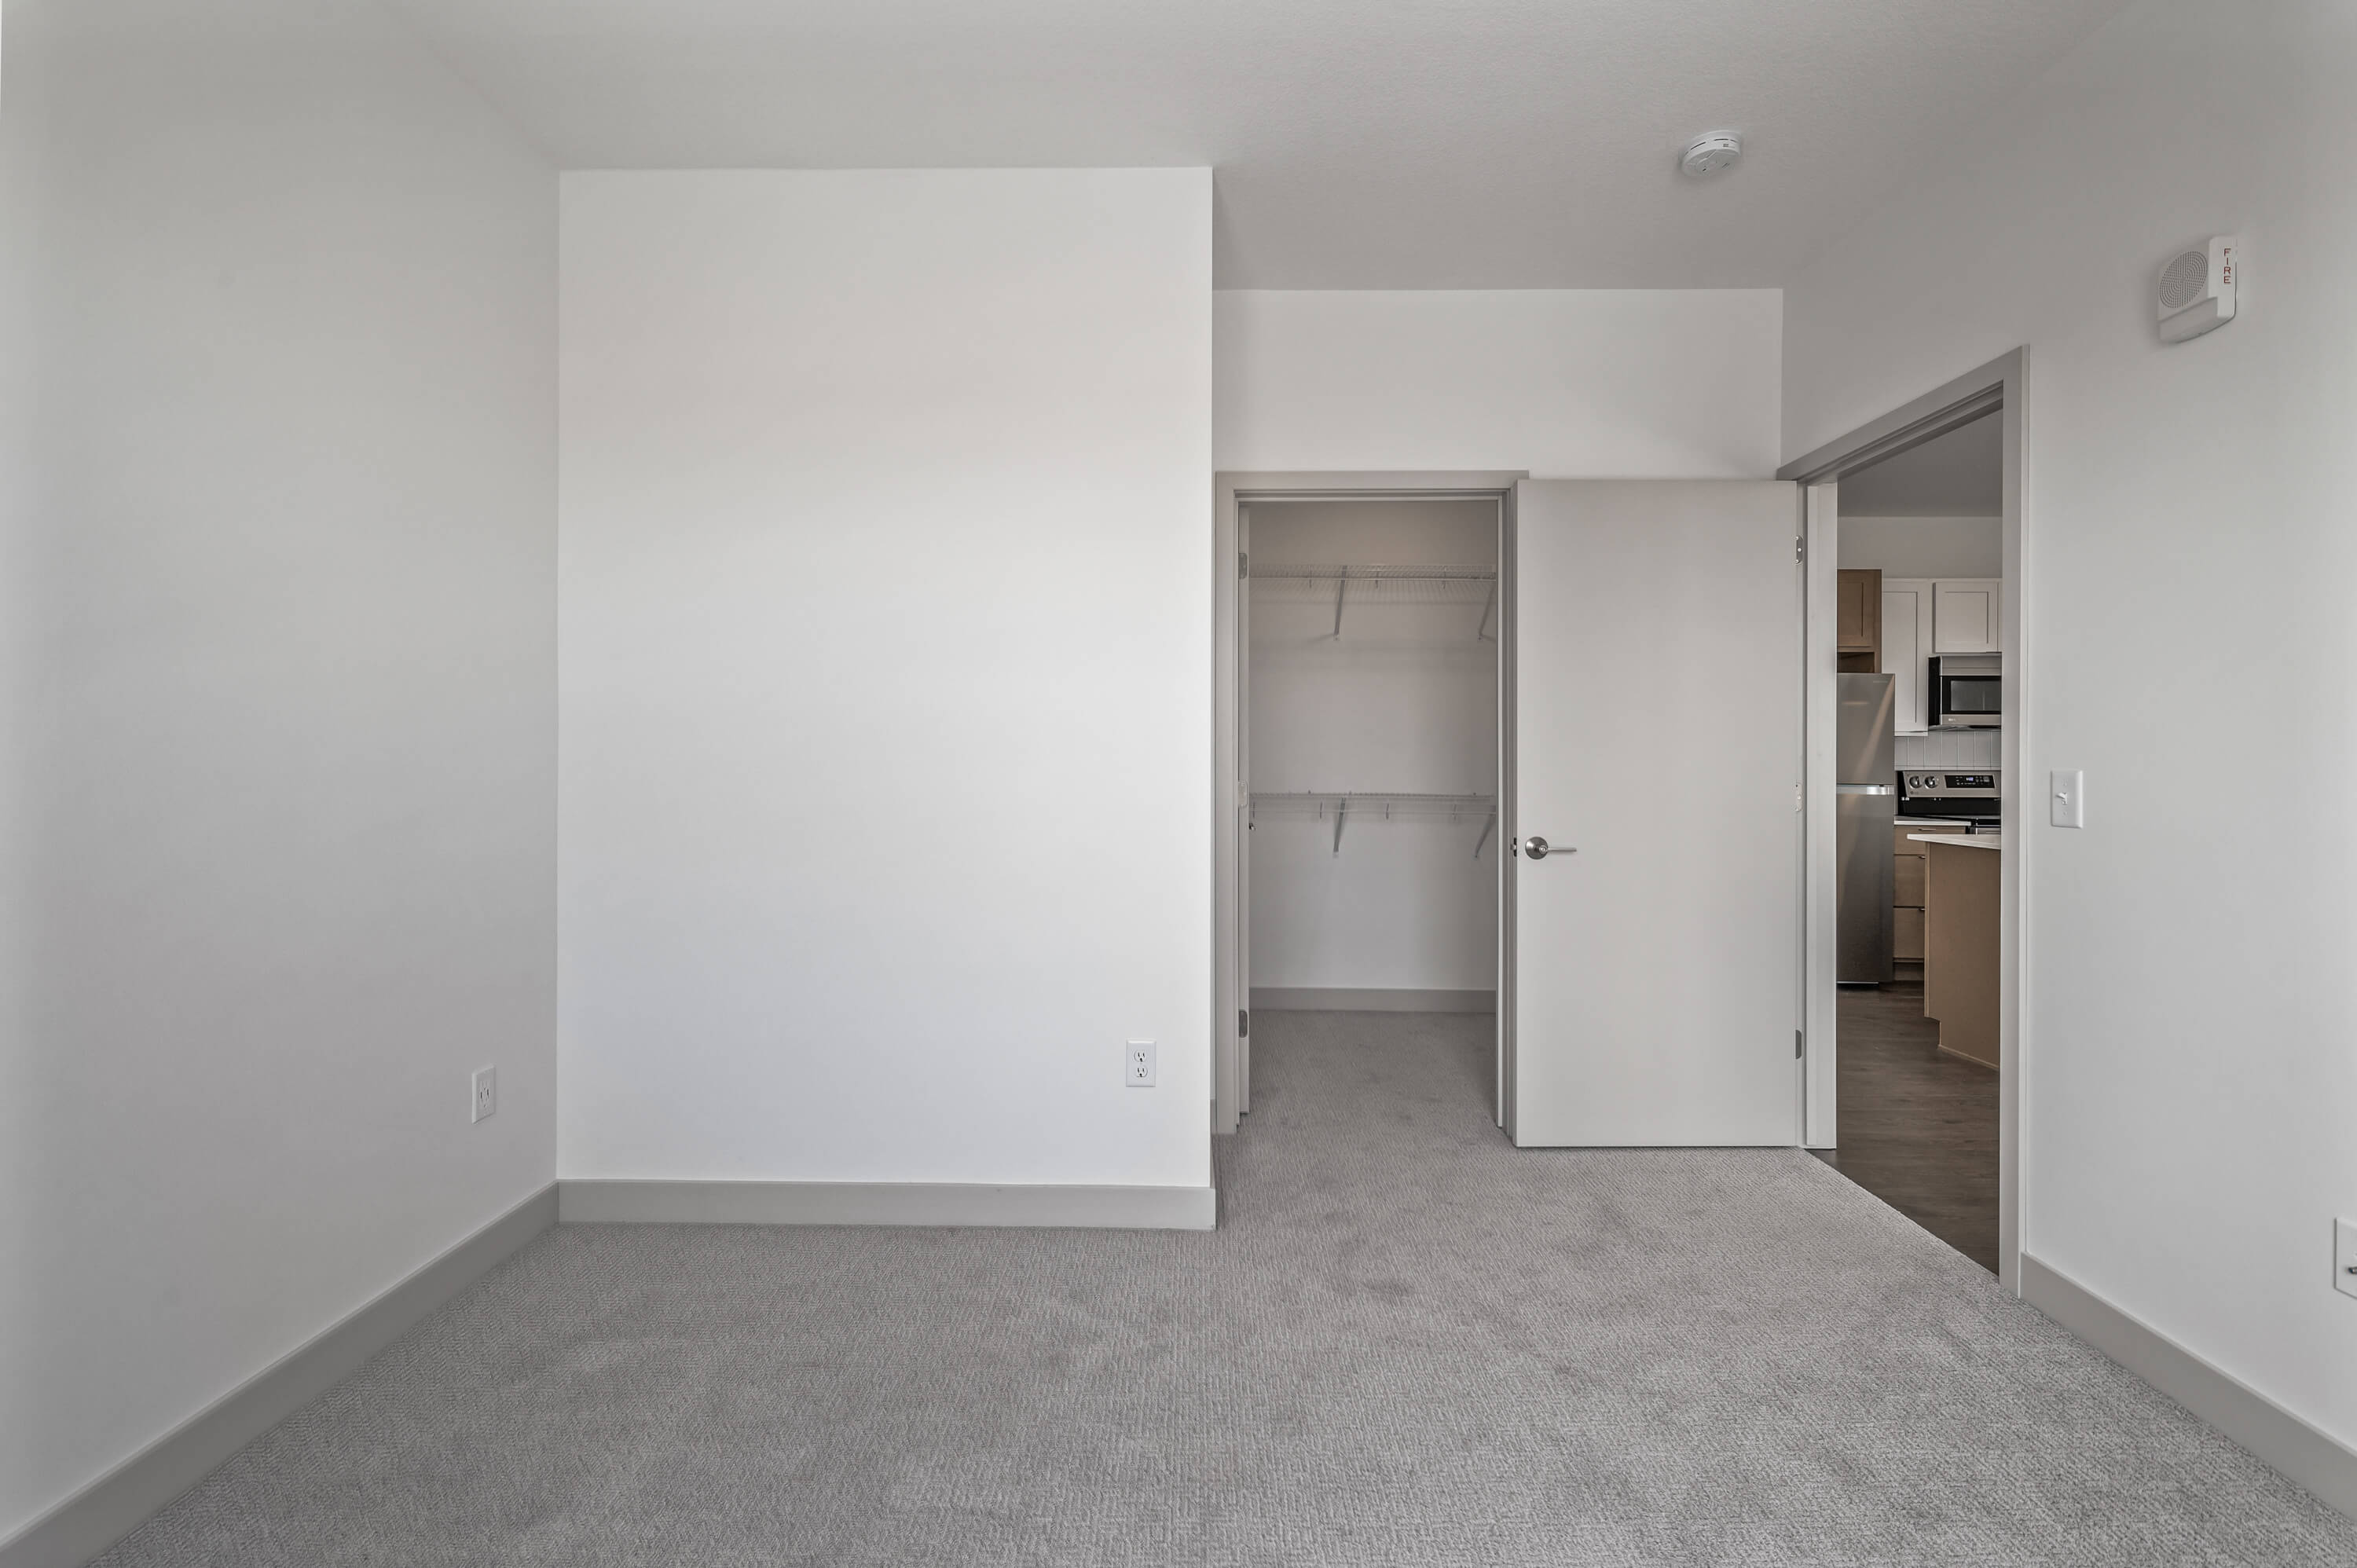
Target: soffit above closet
{"points": [[1408, 144]]}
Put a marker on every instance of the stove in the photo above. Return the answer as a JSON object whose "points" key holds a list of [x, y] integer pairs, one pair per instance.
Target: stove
{"points": [[1975, 798]]}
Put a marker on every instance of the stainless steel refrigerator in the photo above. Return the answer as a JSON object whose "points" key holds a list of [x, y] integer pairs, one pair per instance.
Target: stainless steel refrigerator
{"points": [[1865, 806]]}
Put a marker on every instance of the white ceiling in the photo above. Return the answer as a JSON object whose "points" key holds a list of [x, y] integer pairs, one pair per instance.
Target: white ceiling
{"points": [[1359, 143], [1961, 474]]}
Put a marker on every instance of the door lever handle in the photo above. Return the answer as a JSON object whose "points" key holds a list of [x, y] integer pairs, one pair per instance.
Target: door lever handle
{"points": [[1539, 849]]}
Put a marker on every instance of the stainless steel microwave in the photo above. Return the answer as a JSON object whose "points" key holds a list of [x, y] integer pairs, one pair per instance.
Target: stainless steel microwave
{"points": [[1967, 691]]}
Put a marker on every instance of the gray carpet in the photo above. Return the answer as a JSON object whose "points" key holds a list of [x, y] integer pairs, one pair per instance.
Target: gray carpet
{"points": [[1406, 1344]]}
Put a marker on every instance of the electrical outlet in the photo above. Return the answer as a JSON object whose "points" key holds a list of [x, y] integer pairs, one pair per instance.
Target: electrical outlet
{"points": [[487, 1093], [2344, 1256], [1137, 1063]]}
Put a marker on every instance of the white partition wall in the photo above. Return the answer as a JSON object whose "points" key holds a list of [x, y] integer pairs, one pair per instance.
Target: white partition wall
{"points": [[1559, 384], [2186, 1013], [277, 749], [886, 683]]}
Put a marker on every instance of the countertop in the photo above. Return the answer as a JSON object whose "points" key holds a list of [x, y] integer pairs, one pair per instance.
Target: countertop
{"points": [[1965, 841], [1935, 821]]}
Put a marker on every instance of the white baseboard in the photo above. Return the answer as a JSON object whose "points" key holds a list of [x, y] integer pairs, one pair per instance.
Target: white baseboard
{"points": [[2308, 1457], [886, 1203], [1369, 999], [121, 1500]]}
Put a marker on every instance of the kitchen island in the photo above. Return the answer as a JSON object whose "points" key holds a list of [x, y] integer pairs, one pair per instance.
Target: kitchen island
{"points": [[1960, 941]]}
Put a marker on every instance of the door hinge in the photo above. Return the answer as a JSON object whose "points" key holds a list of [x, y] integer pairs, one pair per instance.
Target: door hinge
{"points": [[1799, 1039], [1800, 548], [1243, 1024], [1244, 564]]}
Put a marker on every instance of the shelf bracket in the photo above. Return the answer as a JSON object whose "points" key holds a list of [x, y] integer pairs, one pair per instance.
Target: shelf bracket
{"points": [[1481, 632], [1341, 814], [1342, 587], [1489, 825]]}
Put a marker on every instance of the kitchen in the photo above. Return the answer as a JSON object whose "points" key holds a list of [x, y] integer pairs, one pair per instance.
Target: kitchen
{"points": [[1920, 841]]}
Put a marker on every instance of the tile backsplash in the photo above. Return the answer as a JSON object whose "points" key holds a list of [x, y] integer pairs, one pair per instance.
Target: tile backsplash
{"points": [[1977, 748]]}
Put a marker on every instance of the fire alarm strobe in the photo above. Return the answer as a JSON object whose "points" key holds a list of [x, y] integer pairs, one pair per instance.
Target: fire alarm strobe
{"points": [[2197, 290]]}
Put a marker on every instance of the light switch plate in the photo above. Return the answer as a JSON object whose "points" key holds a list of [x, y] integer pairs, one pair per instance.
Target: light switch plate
{"points": [[2344, 1256], [2068, 798], [1137, 1063]]}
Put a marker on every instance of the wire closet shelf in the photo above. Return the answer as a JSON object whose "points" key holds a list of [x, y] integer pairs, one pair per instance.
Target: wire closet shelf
{"points": [[1346, 806], [1372, 585]]}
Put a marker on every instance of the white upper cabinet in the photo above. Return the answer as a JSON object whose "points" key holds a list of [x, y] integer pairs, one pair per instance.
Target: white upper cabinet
{"points": [[1964, 615], [1906, 650]]}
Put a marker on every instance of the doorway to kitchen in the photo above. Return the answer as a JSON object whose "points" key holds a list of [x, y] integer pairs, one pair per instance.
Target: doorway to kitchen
{"points": [[1913, 1088]]}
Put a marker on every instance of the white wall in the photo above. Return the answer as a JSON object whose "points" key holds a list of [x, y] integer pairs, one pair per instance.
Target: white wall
{"points": [[1590, 383], [2189, 1075], [277, 392], [1925, 546], [887, 585], [1404, 702]]}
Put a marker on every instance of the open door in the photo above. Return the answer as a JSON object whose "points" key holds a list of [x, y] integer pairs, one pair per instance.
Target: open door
{"points": [[1244, 815], [1655, 938], [1230, 816]]}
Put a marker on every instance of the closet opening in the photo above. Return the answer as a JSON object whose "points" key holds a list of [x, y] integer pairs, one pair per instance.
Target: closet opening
{"points": [[1364, 816]]}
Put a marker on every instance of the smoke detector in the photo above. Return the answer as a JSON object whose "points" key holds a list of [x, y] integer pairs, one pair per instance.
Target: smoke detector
{"points": [[2197, 290], [1708, 155]]}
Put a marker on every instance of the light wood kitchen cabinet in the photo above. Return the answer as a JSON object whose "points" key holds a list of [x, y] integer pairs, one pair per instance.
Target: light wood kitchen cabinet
{"points": [[1964, 615], [1960, 945], [1906, 652], [1907, 883], [1858, 625], [1908, 879], [1907, 935], [1902, 845]]}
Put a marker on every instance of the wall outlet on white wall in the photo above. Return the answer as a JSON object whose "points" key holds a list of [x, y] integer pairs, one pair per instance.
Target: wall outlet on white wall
{"points": [[487, 1093], [1137, 1063], [2344, 1256]]}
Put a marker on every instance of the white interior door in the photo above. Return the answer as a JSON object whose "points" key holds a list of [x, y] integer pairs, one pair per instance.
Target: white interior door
{"points": [[1656, 946], [1243, 827]]}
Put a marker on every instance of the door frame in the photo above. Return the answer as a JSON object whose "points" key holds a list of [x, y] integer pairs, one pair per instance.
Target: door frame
{"points": [[1231, 927], [1997, 386]]}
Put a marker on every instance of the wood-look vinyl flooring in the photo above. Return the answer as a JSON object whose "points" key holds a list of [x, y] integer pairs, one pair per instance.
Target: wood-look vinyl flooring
{"points": [[1918, 1127]]}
